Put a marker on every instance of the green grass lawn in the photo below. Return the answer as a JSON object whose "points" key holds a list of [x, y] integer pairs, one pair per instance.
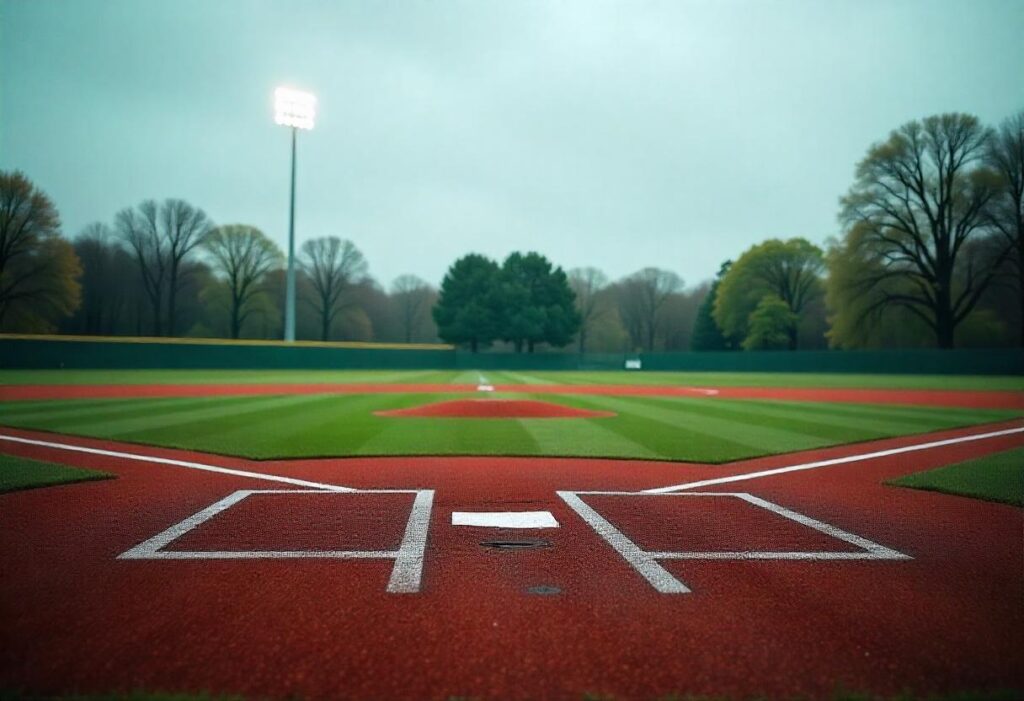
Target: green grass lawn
{"points": [[998, 477], [691, 379], [20, 473], [693, 429]]}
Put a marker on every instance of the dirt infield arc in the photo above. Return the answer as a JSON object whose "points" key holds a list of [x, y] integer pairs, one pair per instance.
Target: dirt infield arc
{"points": [[571, 615], [951, 398]]}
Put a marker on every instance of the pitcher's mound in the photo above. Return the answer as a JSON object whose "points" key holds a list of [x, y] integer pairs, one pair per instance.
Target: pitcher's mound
{"points": [[497, 409]]}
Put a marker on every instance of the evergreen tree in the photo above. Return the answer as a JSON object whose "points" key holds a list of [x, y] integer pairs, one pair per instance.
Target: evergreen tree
{"points": [[706, 334], [468, 309], [537, 302]]}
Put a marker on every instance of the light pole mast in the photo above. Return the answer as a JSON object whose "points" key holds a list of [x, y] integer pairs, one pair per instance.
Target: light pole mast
{"points": [[296, 110], [289, 305]]}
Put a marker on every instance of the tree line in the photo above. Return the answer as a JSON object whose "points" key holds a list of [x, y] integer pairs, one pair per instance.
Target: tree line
{"points": [[930, 253], [164, 269]]}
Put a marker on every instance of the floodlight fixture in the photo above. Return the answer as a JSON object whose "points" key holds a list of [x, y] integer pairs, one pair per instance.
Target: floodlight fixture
{"points": [[294, 108]]}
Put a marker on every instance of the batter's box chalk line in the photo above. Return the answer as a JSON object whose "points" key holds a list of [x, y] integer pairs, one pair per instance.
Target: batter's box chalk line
{"points": [[647, 565], [405, 575]]}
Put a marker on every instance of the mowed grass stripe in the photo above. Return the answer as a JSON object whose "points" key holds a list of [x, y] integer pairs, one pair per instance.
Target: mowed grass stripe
{"points": [[194, 416], [258, 416], [179, 377], [900, 412], [783, 379], [591, 437], [320, 426], [439, 436], [354, 424], [467, 377], [45, 407], [691, 429], [742, 426], [680, 440], [67, 414], [822, 421], [507, 377]]}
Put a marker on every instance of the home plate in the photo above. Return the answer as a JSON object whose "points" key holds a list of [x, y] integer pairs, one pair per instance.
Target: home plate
{"points": [[504, 519]]}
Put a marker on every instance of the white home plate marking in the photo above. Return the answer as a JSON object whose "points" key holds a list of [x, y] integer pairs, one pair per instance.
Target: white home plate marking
{"points": [[504, 519]]}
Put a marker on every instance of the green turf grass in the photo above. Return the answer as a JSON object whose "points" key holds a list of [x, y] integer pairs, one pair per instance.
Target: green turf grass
{"points": [[998, 477], [692, 429], [684, 379], [20, 473]]}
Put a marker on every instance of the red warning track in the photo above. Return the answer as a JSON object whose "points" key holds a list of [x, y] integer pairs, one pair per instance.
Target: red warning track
{"points": [[496, 409], [924, 397], [76, 618]]}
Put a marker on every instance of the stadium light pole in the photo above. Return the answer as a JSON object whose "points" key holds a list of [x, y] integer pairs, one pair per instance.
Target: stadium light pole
{"points": [[295, 109]]}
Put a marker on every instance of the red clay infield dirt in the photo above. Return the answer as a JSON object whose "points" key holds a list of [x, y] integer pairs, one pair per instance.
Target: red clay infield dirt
{"points": [[573, 614], [496, 409], [925, 397]]}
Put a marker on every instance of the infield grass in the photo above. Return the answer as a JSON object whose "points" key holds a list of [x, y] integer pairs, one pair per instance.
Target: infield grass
{"points": [[667, 428], [20, 473], [997, 477], [505, 377]]}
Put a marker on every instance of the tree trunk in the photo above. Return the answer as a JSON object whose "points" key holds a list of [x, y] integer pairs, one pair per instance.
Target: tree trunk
{"points": [[944, 320], [325, 324], [473, 345], [529, 345], [944, 327], [157, 313], [1020, 283], [236, 329], [172, 300], [1020, 289], [793, 337]]}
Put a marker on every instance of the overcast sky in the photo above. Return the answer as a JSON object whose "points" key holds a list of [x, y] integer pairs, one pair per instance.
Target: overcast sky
{"points": [[611, 134]]}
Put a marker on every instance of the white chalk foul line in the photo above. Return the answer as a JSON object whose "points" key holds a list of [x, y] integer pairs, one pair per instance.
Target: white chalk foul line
{"points": [[831, 462], [178, 463]]}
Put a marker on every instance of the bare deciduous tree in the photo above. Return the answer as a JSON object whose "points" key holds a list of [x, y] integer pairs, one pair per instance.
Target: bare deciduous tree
{"points": [[38, 269], [332, 265], [244, 255], [162, 236], [412, 297], [641, 297], [1006, 156], [587, 283], [918, 198], [105, 287], [185, 227]]}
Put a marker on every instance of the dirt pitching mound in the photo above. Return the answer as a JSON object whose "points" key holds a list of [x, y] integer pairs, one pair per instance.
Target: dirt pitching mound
{"points": [[496, 409]]}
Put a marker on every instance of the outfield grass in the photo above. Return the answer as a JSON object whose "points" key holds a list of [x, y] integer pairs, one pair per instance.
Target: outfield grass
{"points": [[691, 429], [685, 379], [998, 477], [19, 473]]}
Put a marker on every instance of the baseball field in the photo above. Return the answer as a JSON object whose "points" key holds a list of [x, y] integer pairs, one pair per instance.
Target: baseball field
{"points": [[511, 535]]}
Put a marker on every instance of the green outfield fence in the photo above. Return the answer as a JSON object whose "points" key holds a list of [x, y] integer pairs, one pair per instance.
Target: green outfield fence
{"points": [[81, 352]]}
